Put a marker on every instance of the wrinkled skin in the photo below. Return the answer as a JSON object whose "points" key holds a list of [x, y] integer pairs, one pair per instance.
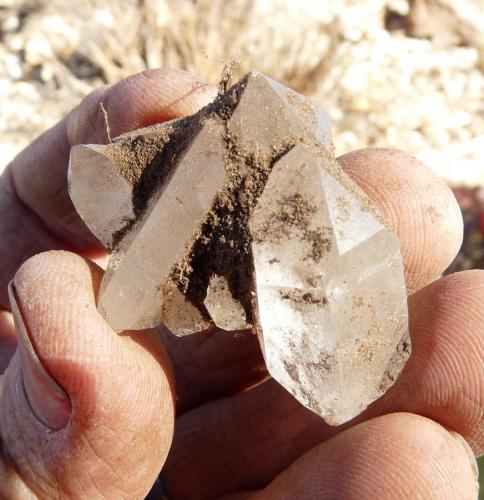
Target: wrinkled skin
{"points": [[96, 416]]}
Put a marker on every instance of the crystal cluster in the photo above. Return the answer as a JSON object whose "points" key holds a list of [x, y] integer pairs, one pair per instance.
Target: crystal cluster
{"points": [[239, 217]]}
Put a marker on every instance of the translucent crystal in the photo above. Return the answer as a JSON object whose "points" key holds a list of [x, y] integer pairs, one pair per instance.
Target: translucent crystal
{"points": [[224, 309], [327, 266], [179, 315], [240, 217], [102, 196], [131, 295]]}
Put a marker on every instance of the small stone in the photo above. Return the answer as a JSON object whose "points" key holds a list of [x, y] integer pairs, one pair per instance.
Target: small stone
{"points": [[226, 311], [240, 217], [179, 315]]}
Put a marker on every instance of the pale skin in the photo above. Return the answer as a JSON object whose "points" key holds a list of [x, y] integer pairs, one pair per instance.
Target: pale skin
{"points": [[110, 434]]}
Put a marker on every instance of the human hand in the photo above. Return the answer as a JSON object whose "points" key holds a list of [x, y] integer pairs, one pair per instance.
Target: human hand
{"points": [[111, 435], [83, 412]]}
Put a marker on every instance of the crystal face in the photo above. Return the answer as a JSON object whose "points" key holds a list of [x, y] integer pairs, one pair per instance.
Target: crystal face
{"points": [[239, 217]]}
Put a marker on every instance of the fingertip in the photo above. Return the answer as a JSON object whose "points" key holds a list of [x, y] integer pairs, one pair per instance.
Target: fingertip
{"points": [[469, 452], [462, 289], [419, 206], [58, 291], [394, 456], [119, 386], [47, 399], [149, 97], [155, 96], [185, 92], [46, 268]]}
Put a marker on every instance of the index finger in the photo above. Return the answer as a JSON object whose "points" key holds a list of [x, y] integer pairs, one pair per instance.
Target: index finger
{"points": [[37, 213]]}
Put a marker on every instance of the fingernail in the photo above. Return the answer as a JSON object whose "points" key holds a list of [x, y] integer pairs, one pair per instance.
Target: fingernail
{"points": [[470, 453], [48, 401]]}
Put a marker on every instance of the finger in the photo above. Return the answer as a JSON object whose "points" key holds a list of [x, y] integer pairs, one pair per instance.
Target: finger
{"points": [[82, 408], [397, 456], [442, 381], [37, 213], [419, 206], [7, 339], [140, 100], [209, 365], [423, 212]]}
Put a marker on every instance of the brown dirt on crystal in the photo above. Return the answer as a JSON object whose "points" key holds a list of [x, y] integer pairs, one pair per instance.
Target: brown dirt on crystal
{"points": [[146, 159], [320, 241], [226, 76], [303, 297], [294, 213], [291, 370], [134, 155], [222, 245], [304, 107]]}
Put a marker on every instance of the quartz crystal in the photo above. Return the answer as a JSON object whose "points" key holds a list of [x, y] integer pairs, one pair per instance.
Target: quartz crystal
{"points": [[239, 217]]}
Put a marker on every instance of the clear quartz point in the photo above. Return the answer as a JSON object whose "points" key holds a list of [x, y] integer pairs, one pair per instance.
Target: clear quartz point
{"points": [[323, 263], [240, 217]]}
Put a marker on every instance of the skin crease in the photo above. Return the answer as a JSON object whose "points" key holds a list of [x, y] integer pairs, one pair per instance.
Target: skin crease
{"points": [[258, 443]]}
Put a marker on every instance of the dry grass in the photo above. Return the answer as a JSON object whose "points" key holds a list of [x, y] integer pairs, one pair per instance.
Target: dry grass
{"points": [[380, 85]]}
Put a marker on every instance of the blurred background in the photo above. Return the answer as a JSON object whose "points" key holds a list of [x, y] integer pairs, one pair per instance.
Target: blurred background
{"points": [[407, 74]]}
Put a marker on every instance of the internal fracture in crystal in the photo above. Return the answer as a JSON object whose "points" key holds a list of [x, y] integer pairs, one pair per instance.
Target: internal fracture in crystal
{"points": [[239, 217]]}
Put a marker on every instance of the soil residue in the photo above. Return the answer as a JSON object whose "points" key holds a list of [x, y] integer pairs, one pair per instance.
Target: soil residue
{"points": [[222, 245], [294, 213], [304, 298]]}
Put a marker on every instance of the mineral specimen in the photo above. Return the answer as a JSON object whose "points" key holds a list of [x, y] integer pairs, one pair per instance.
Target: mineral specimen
{"points": [[239, 217]]}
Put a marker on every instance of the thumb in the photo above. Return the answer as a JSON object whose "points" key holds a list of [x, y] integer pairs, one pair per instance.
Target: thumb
{"points": [[83, 411]]}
